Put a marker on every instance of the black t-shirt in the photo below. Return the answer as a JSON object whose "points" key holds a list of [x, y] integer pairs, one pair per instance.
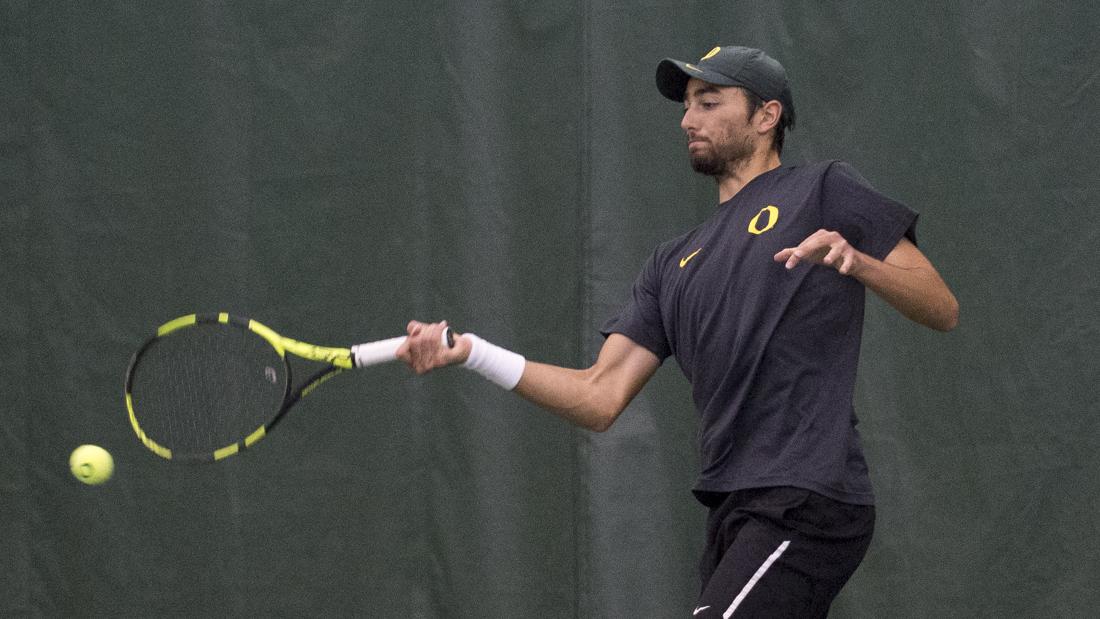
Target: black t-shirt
{"points": [[771, 354]]}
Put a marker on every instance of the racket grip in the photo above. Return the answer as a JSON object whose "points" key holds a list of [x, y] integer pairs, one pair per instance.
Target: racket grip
{"points": [[373, 353], [384, 351]]}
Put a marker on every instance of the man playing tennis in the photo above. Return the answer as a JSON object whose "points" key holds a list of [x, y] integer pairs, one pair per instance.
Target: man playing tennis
{"points": [[762, 306]]}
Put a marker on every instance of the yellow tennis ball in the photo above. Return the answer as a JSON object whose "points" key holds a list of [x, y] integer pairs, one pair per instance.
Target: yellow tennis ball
{"points": [[91, 464]]}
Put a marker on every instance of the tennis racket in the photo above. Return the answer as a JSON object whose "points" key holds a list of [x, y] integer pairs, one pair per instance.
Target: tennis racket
{"points": [[207, 386]]}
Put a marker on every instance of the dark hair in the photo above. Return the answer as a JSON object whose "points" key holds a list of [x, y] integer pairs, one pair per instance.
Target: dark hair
{"points": [[755, 103]]}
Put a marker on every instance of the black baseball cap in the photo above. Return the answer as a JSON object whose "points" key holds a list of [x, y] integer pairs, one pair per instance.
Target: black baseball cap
{"points": [[746, 67]]}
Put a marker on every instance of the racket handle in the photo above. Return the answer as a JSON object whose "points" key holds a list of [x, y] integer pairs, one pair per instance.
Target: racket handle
{"points": [[373, 353], [384, 351]]}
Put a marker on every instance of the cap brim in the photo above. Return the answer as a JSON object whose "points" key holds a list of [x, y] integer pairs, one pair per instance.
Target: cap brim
{"points": [[673, 76]]}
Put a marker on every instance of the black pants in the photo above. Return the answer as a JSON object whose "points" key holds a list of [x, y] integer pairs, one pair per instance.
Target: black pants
{"points": [[779, 552]]}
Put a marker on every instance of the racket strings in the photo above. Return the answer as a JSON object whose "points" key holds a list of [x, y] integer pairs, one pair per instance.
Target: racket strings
{"points": [[205, 387]]}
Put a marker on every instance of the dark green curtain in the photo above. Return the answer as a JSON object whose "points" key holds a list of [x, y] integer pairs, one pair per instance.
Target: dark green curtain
{"points": [[334, 169]]}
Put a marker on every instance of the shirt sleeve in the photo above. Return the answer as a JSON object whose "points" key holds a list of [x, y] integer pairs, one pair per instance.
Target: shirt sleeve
{"points": [[640, 318], [870, 221]]}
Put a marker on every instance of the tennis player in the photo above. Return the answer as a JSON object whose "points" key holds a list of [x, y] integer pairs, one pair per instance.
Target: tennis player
{"points": [[762, 307]]}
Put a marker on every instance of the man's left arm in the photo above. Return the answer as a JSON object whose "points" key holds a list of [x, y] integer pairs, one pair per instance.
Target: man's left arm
{"points": [[905, 279]]}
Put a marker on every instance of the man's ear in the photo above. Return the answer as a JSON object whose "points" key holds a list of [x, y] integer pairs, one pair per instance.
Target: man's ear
{"points": [[768, 115]]}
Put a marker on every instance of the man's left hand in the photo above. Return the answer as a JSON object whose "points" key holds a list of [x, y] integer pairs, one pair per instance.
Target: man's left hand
{"points": [[824, 247]]}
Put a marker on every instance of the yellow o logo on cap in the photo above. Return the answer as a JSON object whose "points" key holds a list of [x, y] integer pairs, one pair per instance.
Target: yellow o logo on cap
{"points": [[711, 53]]}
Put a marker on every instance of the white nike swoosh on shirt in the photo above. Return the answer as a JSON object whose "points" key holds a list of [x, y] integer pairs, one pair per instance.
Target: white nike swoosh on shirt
{"points": [[699, 610]]}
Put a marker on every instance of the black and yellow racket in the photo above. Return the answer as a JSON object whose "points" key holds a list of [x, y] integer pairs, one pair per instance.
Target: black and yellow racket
{"points": [[207, 386]]}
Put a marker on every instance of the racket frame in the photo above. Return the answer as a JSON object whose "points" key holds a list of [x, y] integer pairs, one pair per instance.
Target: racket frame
{"points": [[337, 359]]}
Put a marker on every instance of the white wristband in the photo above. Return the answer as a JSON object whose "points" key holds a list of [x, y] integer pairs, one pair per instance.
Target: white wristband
{"points": [[499, 365]]}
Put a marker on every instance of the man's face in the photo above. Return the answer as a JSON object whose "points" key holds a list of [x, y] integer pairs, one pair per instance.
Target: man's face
{"points": [[718, 128]]}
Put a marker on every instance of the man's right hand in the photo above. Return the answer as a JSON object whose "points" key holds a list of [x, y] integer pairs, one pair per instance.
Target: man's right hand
{"points": [[424, 349]]}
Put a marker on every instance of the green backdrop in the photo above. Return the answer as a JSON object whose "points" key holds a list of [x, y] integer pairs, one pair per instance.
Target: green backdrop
{"points": [[334, 169]]}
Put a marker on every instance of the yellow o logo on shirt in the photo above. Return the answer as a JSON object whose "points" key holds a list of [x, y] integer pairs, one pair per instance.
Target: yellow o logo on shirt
{"points": [[773, 216]]}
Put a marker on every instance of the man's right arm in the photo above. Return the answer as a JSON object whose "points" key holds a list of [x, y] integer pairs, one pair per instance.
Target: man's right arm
{"points": [[591, 398]]}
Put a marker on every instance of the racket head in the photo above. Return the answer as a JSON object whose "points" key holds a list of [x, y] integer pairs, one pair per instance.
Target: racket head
{"points": [[206, 386]]}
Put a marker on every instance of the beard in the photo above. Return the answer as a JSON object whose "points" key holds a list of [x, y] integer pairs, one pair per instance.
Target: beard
{"points": [[730, 153]]}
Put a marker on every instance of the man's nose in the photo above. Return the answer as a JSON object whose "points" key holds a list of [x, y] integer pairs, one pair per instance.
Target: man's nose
{"points": [[687, 122]]}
